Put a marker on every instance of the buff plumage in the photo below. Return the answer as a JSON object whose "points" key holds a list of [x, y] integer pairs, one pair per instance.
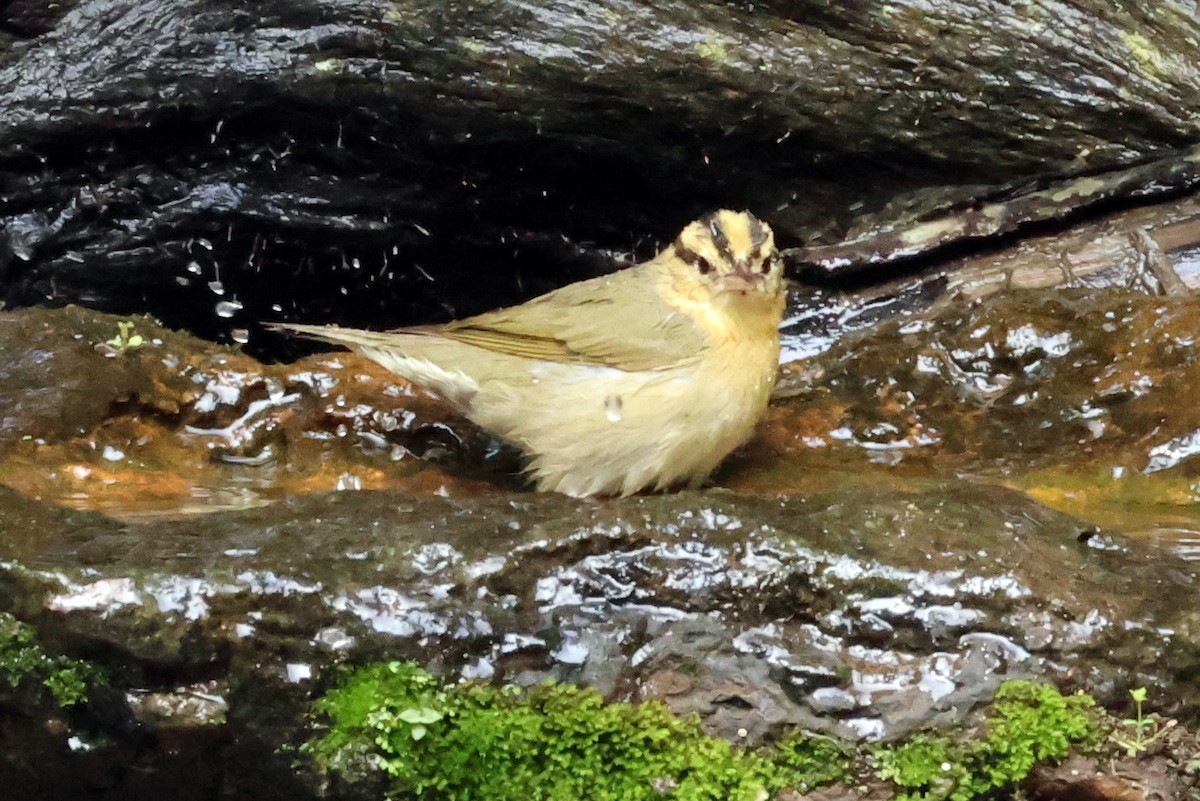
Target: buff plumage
{"points": [[643, 379]]}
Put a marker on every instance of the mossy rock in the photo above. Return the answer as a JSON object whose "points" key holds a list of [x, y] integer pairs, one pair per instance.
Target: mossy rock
{"points": [[558, 741], [26, 668]]}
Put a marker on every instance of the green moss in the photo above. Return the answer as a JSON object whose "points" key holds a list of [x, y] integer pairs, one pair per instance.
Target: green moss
{"points": [[24, 664], [479, 743], [808, 760], [554, 741], [1028, 723], [927, 767]]}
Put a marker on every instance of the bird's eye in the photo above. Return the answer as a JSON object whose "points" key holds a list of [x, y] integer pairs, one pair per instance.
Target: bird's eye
{"points": [[703, 265], [767, 265]]}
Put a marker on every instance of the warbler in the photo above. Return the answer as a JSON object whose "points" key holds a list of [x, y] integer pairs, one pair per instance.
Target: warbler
{"points": [[643, 379]]}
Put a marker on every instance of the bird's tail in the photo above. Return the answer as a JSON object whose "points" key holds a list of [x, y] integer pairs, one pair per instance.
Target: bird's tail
{"points": [[336, 335], [416, 354]]}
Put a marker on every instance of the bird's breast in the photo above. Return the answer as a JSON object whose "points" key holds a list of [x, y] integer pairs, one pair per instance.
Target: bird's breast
{"points": [[743, 367]]}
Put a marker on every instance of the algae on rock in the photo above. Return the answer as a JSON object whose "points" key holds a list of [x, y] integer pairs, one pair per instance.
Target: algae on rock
{"points": [[556, 741]]}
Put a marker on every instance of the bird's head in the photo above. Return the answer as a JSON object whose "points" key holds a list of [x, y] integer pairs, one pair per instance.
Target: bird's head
{"points": [[733, 252]]}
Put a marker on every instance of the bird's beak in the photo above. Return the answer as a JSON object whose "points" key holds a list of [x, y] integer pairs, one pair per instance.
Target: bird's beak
{"points": [[744, 278]]}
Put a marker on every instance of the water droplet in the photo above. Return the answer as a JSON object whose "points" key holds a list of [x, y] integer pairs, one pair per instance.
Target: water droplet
{"points": [[348, 481], [228, 308], [216, 287], [298, 672], [193, 267], [240, 335], [613, 407]]}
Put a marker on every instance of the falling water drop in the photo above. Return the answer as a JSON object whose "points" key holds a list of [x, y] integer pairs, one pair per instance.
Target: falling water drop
{"points": [[228, 308], [613, 407]]}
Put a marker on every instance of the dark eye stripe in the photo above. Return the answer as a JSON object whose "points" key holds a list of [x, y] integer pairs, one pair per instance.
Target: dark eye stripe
{"points": [[693, 259], [719, 238], [758, 232], [686, 255]]}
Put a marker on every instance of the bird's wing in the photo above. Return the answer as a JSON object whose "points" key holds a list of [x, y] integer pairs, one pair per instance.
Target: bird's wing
{"points": [[618, 320]]}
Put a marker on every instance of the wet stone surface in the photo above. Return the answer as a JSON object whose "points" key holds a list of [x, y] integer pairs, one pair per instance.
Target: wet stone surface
{"points": [[992, 485], [992, 473], [176, 425], [861, 613], [1076, 396]]}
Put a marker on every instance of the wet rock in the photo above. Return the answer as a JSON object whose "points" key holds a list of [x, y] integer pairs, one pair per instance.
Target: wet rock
{"points": [[898, 579], [1071, 394], [1017, 377], [400, 162], [173, 422], [1151, 250], [856, 612], [1147, 778], [915, 231], [895, 580]]}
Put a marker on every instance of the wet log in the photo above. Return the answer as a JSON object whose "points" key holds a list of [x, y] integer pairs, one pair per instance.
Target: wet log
{"points": [[217, 163]]}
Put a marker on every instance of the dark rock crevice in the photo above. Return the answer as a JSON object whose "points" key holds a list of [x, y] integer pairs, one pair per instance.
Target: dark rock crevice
{"points": [[308, 147]]}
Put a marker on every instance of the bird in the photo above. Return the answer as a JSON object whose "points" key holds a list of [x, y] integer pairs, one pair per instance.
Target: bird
{"points": [[644, 379]]}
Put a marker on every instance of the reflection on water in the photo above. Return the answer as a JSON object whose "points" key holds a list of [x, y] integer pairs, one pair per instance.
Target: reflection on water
{"points": [[1184, 541], [135, 506], [1187, 265]]}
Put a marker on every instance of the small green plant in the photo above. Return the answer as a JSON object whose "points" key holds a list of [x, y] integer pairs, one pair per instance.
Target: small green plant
{"points": [[1028, 723], [125, 340], [1139, 732], [811, 760], [926, 766], [25, 663]]}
